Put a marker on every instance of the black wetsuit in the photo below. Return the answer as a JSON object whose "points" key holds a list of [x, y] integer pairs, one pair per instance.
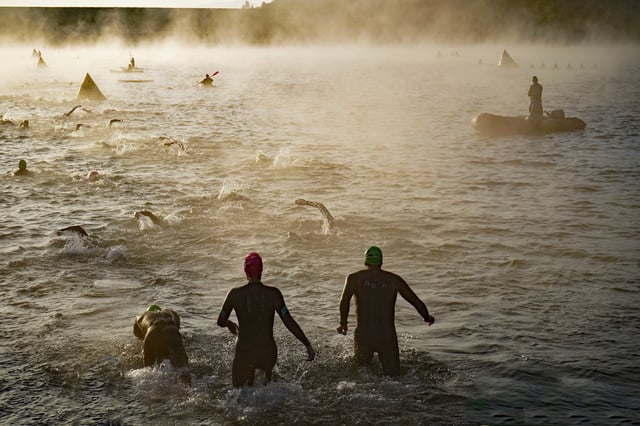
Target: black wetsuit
{"points": [[535, 97], [376, 291], [162, 339], [255, 305]]}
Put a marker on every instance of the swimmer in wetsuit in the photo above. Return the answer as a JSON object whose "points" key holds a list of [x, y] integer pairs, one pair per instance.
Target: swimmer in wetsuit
{"points": [[376, 291], [255, 305], [22, 169], [159, 329]]}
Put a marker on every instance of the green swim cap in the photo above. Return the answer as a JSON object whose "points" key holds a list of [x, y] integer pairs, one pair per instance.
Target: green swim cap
{"points": [[154, 308], [373, 256], [22, 165]]}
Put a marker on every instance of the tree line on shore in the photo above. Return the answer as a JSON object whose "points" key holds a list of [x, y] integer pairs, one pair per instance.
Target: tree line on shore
{"points": [[337, 21]]}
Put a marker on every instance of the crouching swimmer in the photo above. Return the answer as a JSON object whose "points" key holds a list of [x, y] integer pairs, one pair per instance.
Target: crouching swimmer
{"points": [[159, 330]]}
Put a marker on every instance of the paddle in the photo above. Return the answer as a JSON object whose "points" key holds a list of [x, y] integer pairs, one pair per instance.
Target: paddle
{"points": [[215, 73]]}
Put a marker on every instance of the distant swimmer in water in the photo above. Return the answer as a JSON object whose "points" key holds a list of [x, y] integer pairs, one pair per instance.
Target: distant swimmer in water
{"points": [[159, 329], [140, 215], [24, 124], [207, 80], [93, 175], [22, 169], [68, 113], [74, 230], [376, 291], [113, 121], [319, 206], [255, 305], [171, 141]]}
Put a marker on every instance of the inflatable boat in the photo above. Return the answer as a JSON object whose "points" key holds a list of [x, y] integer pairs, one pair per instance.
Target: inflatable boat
{"points": [[491, 124]]}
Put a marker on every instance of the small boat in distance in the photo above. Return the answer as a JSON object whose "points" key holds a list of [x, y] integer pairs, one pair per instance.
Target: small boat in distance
{"points": [[131, 67], [492, 124], [128, 69], [134, 80]]}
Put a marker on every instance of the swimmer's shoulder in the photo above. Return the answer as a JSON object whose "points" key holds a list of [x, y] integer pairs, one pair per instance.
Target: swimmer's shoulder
{"points": [[272, 292]]}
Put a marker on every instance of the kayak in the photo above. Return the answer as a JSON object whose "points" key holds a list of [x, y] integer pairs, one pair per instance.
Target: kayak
{"points": [[491, 124], [126, 69]]}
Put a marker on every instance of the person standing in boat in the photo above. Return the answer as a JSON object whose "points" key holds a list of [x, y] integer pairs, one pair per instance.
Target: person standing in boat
{"points": [[535, 98]]}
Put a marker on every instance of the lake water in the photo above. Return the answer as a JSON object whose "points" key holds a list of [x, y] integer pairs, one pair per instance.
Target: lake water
{"points": [[525, 249]]}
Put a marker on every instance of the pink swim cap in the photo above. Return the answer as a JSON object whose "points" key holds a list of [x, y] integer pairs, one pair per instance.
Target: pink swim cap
{"points": [[253, 265]]}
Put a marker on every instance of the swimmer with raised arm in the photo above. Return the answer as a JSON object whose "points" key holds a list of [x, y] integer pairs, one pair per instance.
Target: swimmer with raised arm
{"points": [[325, 212]]}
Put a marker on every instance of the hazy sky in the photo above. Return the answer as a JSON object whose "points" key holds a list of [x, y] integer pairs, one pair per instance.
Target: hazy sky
{"points": [[129, 3]]}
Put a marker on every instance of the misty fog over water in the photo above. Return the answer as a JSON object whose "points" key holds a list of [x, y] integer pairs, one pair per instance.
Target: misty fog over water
{"points": [[316, 22], [525, 248]]}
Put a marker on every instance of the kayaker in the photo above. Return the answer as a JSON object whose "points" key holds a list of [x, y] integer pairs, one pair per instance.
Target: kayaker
{"points": [[535, 97], [207, 81]]}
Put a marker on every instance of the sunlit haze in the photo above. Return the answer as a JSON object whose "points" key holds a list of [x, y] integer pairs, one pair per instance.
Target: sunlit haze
{"points": [[131, 3], [147, 146]]}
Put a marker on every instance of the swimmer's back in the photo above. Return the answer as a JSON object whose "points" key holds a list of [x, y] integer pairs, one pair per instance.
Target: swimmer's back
{"points": [[376, 292], [255, 305]]}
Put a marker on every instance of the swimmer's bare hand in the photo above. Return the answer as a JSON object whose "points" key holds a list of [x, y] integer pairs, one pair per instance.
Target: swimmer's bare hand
{"points": [[342, 329], [233, 327], [311, 354], [430, 319]]}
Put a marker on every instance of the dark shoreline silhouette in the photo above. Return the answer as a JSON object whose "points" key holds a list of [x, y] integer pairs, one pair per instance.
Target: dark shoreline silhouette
{"points": [[335, 21]]}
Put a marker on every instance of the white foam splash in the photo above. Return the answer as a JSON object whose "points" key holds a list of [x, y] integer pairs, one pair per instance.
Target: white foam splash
{"points": [[158, 381], [283, 159], [247, 402], [230, 189]]}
